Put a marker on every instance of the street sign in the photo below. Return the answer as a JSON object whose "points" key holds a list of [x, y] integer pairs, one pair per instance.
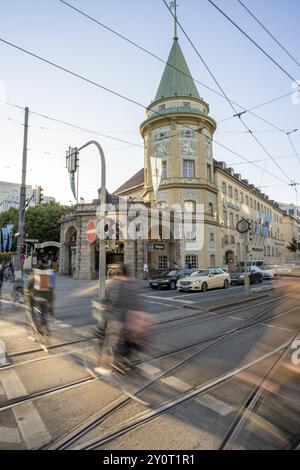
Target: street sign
{"points": [[91, 231], [243, 226]]}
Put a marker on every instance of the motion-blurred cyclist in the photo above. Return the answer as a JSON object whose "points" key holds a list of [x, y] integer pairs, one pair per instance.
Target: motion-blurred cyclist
{"points": [[126, 325]]}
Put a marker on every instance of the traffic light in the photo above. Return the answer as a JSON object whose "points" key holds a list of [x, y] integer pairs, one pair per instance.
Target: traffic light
{"points": [[72, 159], [39, 195], [250, 230]]}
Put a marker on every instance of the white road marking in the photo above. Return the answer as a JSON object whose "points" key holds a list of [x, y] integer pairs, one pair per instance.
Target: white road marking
{"points": [[176, 383], [236, 318], [215, 405], [29, 421], [10, 435], [279, 327], [62, 324], [149, 369]]}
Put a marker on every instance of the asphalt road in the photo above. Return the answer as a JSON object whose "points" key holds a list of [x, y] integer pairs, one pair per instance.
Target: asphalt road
{"points": [[44, 396]]}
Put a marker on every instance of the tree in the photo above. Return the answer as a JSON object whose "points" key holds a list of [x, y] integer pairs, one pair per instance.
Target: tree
{"points": [[294, 246], [42, 222]]}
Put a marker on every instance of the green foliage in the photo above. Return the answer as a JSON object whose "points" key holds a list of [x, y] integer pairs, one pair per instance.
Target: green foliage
{"points": [[42, 222], [5, 257], [294, 246]]}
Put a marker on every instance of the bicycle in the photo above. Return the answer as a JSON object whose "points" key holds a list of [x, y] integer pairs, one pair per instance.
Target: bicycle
{"points": [[37, 311]]}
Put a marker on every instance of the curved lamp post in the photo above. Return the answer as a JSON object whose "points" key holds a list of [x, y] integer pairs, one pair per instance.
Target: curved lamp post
{"points": [[102, 257]]}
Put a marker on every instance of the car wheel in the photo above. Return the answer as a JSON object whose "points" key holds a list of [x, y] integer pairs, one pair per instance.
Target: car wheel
{"points": [[172, 285], [226, 284], [204, 287]]}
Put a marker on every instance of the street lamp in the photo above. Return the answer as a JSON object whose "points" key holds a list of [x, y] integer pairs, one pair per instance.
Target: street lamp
{"points": [[102, 257]]}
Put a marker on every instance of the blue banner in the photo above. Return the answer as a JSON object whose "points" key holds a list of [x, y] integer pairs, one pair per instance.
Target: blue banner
{"points": [[73, 184], [10, 235], [4, 238]]}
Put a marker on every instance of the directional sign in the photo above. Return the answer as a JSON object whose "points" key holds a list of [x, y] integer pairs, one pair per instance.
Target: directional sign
{"points": [[22, 258], [91, 234]]}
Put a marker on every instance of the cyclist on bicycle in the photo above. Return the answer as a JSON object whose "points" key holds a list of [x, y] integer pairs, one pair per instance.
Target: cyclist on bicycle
{"points": [[40, 291]]}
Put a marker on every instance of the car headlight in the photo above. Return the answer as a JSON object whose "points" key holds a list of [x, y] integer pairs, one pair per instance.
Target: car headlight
{"points": [[242, 276]]}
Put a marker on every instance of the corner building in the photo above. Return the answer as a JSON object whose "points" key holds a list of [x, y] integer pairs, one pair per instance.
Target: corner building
{"points": [[179, 131]]}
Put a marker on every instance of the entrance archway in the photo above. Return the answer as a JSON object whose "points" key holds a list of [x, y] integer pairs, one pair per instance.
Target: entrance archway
{"points": [[70, 251], [229, 257]]}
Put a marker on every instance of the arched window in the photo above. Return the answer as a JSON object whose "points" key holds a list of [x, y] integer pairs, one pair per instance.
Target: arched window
{"points": [[189, 206], [212, 260], [210, 208], [162, 204]]}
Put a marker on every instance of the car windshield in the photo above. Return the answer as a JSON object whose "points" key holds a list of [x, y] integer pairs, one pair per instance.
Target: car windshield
{"points": [[170, 273], [201, 273]]}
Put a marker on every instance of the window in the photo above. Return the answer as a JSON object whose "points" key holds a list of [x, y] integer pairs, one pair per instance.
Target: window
{"points": [[241, 197], [236, 220], [224, 188], [164, 169], [162, 262], [188, 134], [188, 168], [265, 251], [186, 104], [272, 251], [247, 200], [191, 262], [189, 206], [258, 206], [212, 260], [232, 239], [254, 204], [268, 250], [211, 208], [236, 195], [230, 191], [231, 219], [211, 237], [161, 107], [209, 173], [225, 219]]}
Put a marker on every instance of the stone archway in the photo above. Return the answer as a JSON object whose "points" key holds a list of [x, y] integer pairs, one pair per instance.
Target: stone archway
{"points": [[69, 248]]}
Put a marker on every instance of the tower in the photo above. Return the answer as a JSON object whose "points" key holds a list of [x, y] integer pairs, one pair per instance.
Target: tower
{"points": [[177, 137]]}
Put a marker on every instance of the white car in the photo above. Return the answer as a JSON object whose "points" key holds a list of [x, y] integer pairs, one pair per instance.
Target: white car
{"points": [[204, 279], [268, 273]]}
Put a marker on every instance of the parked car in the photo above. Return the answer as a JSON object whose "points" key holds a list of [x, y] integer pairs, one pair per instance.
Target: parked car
{"points": [[255, 275], [168, 279], [268, 272], [204, 279]]}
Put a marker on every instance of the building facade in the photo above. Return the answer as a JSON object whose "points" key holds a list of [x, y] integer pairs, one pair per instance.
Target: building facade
{"points": [[179, 169], [10, 196]]}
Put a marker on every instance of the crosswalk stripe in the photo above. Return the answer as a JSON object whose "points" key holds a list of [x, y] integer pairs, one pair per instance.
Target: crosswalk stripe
{"points": [[29, 421], [215, 405], [10, 435], [176, 383]]}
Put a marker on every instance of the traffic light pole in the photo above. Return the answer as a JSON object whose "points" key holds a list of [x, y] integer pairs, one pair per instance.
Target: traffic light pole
{"points": [[102, 254], [21, 227]]}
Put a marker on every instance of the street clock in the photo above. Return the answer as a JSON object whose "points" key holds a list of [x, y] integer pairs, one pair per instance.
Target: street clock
{"points": [[243, 226]]}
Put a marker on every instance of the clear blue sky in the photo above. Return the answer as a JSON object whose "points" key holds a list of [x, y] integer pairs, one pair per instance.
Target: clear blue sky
{"points": [[56, 32]]}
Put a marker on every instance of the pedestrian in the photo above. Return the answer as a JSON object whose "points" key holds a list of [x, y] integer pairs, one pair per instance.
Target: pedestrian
{"points": [[146, 271], [176, 266], [122, 323]]}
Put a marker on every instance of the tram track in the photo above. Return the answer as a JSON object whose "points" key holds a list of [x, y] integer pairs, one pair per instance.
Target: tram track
{"points": [[115, 406]]}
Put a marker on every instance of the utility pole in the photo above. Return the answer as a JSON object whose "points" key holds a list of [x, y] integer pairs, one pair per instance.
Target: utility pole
{"points": [[243, 226], [21, 229]]}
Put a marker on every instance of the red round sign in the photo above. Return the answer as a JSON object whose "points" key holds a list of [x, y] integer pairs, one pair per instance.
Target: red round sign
{"points": [[91, 234]]}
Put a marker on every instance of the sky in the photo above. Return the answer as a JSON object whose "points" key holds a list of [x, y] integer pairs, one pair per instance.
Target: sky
{"points": [[54, 31]]}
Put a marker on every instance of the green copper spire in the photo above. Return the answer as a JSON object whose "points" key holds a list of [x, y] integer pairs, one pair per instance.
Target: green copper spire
{"points": [[173, 82]]}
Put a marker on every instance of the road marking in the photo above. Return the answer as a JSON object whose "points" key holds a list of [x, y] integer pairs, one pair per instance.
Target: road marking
{"points": [[62, 324], [279, 327], [176, 383], [29, 421], [236, 318], [149, 369], [10, 435], [215, 405]]}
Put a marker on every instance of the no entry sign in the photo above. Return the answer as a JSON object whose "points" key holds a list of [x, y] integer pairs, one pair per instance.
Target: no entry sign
{"points": [[91, 231]]}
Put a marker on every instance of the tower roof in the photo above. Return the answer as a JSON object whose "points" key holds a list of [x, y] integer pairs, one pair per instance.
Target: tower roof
{"points": [[176, 79]]}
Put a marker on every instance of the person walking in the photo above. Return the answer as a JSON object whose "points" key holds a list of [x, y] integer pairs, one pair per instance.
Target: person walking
{"points": [[146, 271]]}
